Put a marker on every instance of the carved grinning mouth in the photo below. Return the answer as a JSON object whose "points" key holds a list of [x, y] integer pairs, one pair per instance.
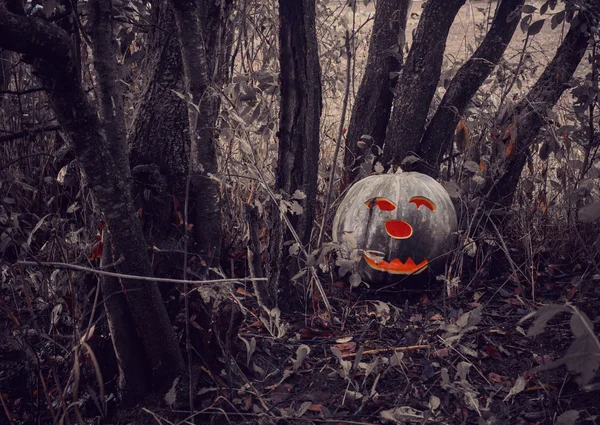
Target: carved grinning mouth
{"points": [[395, 266]]}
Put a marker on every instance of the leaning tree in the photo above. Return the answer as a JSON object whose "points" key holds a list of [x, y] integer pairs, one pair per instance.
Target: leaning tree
{"points": [[417, 140]]}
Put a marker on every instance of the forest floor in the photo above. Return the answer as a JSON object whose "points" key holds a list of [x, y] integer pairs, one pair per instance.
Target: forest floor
{"points": [[395, 357]]}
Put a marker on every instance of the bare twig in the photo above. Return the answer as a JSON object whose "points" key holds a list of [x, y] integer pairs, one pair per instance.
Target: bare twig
{"points": [[129, 276], [24, 133], [339, 140]]}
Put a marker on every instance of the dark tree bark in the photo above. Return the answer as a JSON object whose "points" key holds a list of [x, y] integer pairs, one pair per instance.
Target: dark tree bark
{"points": [[531, 113], [159, 139], [201, 26], [464, 85], [51, 53], [4, 69], [298, 155], [417, 83], [373, 103], [133, 379], [133, 365], [110, 93]]}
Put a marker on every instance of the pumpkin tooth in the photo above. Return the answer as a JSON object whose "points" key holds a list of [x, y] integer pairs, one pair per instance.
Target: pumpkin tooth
{"points": [[396, 266]]}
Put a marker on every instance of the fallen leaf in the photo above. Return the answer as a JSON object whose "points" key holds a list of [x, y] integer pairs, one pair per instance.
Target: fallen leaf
{"points": [[516, 389], [346, 347], [243, 291], [492, 352], [494, 377]]}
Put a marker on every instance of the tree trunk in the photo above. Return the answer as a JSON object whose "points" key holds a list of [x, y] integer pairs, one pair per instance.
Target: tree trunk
{"points": [[133, 380], [133, 364], [201, 27], [298, 156], [110, 93], [159, 141], [464, 85], [531, 113], [54, 64], [417, 83], [373, 103]]}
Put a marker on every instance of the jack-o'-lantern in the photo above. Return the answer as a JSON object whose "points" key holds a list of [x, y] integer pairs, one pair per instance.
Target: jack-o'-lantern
{"points": [[400, 224]]}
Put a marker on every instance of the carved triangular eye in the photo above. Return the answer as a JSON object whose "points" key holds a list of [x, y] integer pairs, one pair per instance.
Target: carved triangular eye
{"points": [[383, 204], [421, 201]]}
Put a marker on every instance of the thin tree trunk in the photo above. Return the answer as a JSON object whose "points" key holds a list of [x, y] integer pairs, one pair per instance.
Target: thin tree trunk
{"points": [[530, 116], [417, 84], [373, 103], [110, 93], [298, 155], [201, 25], [132, 362], [464, 85]]}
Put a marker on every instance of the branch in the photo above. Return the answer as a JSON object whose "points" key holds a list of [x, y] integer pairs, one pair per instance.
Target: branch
{"points": [[531, 113], [464, 85], [21, 93], [129, 276], [34, 37], [28, 132]]}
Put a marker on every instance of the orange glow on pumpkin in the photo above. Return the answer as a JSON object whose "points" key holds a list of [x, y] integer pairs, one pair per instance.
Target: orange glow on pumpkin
{"points": [[383, 204], [396, 266], [398, 229], [420, 201]]}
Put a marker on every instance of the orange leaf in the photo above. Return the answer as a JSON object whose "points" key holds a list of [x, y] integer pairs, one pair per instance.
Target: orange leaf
{"points": [[96, 251], [462, 136], [179, 217], [176, 211], [242, 291], [494, 377], [510, 149], [481, 165], [543, 206]]}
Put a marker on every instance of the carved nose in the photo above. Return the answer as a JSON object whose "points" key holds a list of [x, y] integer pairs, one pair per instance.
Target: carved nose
{"points": [[398, 229]]}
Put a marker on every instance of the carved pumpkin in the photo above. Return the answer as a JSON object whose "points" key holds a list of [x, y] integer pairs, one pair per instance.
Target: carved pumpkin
{"points": [[402, 224]]}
